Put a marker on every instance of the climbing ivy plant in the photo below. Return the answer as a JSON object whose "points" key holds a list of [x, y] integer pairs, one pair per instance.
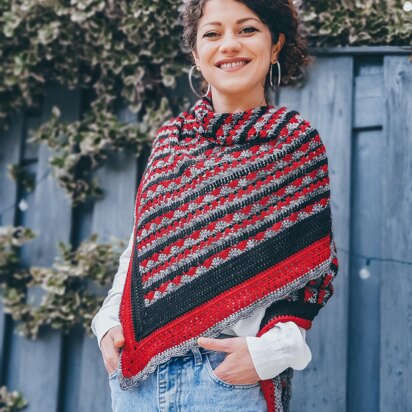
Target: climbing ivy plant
{"points": [[128, 53], [11, 401], [65, 299], [338, 23]]}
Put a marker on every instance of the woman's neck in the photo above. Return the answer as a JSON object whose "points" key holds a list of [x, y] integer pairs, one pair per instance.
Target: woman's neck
{"points": [[230, 104]]}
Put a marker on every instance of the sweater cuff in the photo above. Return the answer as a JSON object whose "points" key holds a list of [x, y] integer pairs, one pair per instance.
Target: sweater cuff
{"points": [[281, 347], [106, 318]]}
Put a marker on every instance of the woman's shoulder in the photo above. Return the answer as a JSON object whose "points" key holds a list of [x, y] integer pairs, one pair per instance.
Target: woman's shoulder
{"points": [[169, 127], [173, 121], [292, 120], [292, 114]]}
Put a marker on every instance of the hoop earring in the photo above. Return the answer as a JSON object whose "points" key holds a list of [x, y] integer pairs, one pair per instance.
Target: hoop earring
{"points": [[191, 84], [279, 74]]}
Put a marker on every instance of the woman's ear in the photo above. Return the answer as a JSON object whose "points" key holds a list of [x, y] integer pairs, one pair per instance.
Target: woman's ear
{"points": [[276, 48], [195, 57]]}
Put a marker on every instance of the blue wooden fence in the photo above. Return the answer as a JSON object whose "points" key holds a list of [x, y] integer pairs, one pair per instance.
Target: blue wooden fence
{"points": [[360, 100]]}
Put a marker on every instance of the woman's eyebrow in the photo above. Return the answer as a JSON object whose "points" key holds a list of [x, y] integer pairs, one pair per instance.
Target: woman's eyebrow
{"points": [[212, 23]]}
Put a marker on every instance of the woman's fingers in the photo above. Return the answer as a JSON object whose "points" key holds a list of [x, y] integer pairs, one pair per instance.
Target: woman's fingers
{"points": [[110, 357], [117, 335], [110, 345]]}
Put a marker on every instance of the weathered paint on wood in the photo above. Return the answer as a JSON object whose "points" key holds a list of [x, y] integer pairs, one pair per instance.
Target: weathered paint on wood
{"points": [[396, 283]]}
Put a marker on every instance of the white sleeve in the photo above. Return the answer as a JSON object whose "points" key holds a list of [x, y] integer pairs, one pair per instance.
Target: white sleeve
{"points": [[108, 315], [279, 348]]}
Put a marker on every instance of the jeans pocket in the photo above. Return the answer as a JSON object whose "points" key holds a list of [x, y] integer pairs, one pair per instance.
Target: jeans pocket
{"points": [[213, 360], [114, 373]]}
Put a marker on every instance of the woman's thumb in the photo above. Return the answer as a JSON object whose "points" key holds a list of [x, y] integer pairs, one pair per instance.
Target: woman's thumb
{"points": [[118, 338]]}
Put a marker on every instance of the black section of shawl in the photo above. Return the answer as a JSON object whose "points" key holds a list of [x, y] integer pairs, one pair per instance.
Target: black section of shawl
{"points": [[300, 309]]}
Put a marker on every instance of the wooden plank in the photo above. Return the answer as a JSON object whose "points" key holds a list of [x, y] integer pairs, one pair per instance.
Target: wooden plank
{"points": [[364, 302], [35, 365], [361, 50], [368, 93], [366, 210], [326, 101], [10, 143], [112, 217], [396, 283]]}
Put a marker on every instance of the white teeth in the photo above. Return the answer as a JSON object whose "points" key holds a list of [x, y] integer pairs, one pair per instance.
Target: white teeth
{"points": [[225, 65]]}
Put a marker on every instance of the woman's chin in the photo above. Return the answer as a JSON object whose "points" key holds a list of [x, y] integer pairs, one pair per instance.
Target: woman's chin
{"points": [[232, 88]]}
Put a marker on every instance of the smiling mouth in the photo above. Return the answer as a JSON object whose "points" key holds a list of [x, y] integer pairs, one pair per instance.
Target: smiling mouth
{"points": [[233, 66]]}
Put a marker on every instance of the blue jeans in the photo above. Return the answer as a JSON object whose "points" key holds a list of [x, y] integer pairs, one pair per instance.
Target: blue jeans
{"points": [[187, 383]]}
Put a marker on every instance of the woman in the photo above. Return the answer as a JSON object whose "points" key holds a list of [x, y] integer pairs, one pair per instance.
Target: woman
{"points": [[232, 253]]}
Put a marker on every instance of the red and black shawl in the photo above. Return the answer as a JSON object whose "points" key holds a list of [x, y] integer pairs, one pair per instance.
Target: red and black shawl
{"points": [[232, 214]]}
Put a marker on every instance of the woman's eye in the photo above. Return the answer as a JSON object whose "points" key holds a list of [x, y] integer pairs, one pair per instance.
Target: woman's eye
{"points": [[212, 34], [250, 28], [208, 34]]}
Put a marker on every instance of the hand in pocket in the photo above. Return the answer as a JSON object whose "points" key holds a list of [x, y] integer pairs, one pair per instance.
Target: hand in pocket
{"points": [[110, 346]]}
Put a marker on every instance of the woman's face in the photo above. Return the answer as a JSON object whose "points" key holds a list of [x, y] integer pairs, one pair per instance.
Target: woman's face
{"points": [[230, 31]]}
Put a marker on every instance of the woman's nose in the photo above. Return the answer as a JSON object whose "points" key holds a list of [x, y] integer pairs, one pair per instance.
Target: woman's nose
{"points": [[230, 42]]}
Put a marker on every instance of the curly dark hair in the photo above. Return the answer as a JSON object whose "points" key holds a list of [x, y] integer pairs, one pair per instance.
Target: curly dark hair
{"points": [[279, 15]]}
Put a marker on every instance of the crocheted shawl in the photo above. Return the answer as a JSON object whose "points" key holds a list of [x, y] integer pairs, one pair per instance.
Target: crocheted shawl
{"points": [[232, 214]]}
